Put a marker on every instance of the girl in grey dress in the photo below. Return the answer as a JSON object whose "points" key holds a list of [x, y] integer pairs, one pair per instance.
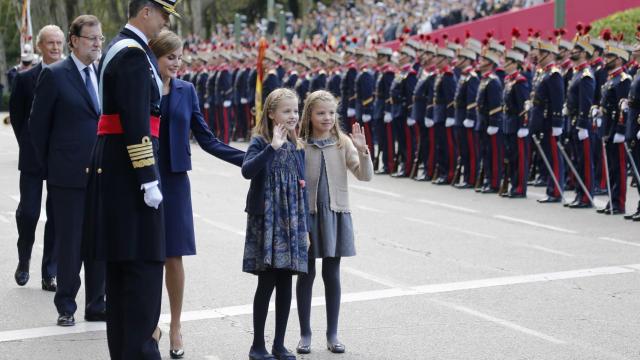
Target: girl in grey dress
{"points": [[329, 154]]}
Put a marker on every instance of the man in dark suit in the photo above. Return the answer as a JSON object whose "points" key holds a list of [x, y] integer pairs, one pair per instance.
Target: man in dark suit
{"points": [[50, 42], [124, 222], [63, 126]]}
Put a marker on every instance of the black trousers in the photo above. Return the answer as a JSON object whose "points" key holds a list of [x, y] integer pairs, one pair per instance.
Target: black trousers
{"points": [[68, 204], [134, 295], [27, 216]]}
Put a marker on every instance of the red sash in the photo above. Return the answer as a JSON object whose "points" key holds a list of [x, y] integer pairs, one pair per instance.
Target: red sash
{"points": [[111, 125]]}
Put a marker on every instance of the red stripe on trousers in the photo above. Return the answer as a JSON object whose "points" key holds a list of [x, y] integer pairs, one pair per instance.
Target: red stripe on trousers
{"points": [[451, 150], [225, 124], [409, 149], [586, 148], [494, 162], [521, 155], [472, 155], [556, 166], [432, 150], [390, 147], [623, 177], [367, 135]]}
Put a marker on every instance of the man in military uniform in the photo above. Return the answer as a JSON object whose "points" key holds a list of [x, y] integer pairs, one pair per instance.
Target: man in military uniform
{"points": [[547, 99], [600, 74], [426, 146], [613, 126], [224, 98], [579, 99], [124, 222], [489, 125], [240, 100], [444, 89], [631, 108], [271, 80], [364, 95], [382, 112], [401, 94], [347, 108], [516, 127]]}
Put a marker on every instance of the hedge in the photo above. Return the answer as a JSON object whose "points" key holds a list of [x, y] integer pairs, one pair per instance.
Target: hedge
{"points": [[624, 21]]}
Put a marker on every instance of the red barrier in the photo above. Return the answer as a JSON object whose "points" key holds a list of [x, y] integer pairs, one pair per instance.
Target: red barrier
{"points": [[539, 17]]}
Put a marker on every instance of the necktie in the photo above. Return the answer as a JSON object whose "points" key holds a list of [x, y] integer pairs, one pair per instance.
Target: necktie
{"points": [[90, 89]]}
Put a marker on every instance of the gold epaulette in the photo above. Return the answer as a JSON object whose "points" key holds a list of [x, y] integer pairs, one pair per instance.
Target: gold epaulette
{"points": [[354, 97], [272, 72], [471, 106], [587, 73], [624, 76], [367, 101], [555, 70], [495, 111], [141, 155]]}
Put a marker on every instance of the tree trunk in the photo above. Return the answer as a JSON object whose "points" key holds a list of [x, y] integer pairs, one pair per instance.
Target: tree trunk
{"points": [[196, 16]]}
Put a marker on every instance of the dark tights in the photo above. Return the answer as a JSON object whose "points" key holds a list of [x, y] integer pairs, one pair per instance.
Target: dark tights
{"points": [[304, 288], [267, 281]]}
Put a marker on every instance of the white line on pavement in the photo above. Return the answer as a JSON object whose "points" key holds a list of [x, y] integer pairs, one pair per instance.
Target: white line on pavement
{"points": [[619, 241], [370, 209], [376, 191], [448, 206], [546, 249], [452, 228], [536, 224], [82, 327], [505, 323]]}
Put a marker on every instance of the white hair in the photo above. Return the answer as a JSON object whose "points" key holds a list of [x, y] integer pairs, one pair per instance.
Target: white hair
{"points": [[48, 28]]}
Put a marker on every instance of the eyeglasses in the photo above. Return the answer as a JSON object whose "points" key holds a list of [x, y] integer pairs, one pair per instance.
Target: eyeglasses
{"points": [[99, 38]]}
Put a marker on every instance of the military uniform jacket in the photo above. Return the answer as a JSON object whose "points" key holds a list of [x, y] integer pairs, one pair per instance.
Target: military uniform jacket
{"points": [[210, 97], [270, 83], [118, 225], [201, 83], [302, 89], [382, 95], [516, 92], [489, 102], [547, 99], [580, 96], [615, 89], [420, 98], [240, 86], [224, 86], [465, 96], [364, 93], [444, 90], [251, 86], [402, 92], [319, 81], [348, 91], [600, 74], [333, 85], [291, 80], [633, 115]]}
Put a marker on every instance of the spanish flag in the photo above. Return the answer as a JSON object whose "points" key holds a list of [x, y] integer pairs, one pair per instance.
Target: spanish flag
{"points": [[262, 48]]}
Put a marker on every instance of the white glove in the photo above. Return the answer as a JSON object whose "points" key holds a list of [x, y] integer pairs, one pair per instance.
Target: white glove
{"points": [[206, 105], [624, 104], [556, 131], [226, 103], [492, 130], [351, 112], [244, 101], [366, 118], [523, 132], [638, 135], [596, 112], [468, 123], [599, 121], [387, 117], [565, 110], [428, 122], [583, 134], [528, 105], [411, 121], [449, 122], [152, 194], [618, 138]]}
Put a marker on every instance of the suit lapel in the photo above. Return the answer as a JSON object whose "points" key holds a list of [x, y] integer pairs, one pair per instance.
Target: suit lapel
{"points": [[76, 79], [174, 97]]}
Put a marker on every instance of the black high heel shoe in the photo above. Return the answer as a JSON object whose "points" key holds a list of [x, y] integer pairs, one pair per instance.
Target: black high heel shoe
{"points": [[336, 348], [176, 353], [283, 355]]}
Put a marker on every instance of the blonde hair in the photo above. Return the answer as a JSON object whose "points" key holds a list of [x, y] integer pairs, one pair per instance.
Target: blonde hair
{"points": [[166, 43], [306, 127], [264, 125]]}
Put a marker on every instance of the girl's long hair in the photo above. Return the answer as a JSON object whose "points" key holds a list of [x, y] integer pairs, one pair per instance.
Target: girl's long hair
{"points": [[264, 125], [306, 127]]}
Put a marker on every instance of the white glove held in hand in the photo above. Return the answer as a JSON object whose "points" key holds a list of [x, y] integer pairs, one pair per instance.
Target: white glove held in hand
{"points": [[556, 131], [449, 122], [351, 112], [428, 122], [152, 194], [595, 112], [387, 117], [468, 123], [226, 103], [243, 101], [366, 118], [523, 132], [618, 138], [492, 130], [411, 121], [583, 134]]}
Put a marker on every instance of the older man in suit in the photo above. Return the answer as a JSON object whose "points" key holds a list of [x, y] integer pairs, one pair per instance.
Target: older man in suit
{"points": [[63, 124], [50, 43]]}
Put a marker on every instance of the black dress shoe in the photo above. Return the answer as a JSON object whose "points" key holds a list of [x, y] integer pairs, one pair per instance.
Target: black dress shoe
{"points": [[22, 273], [49, 284], [421, 177], [539, 183], [489, 190], [549, 199], [253, 355], [283, 354], [336, 348], [66, 320], [101, 316], [441, 181], [580, 205], [598, 192], [382, 172], [517, 196], [631, 216], [636, 217], [463, 185]]}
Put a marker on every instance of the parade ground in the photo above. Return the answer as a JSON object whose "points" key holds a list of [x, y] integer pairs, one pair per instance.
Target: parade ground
{"points": [[440, 273]]}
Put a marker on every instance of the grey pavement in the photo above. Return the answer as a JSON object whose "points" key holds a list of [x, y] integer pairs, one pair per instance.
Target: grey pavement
{"points": [[440, 274]]}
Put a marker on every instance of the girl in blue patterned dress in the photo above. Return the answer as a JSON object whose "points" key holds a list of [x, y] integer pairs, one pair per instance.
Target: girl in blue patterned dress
{"points": [[329, 156], [276, 244]]}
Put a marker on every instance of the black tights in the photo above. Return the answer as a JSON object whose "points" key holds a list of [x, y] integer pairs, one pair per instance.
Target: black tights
{"points": [[267, 281], [304, 287]]}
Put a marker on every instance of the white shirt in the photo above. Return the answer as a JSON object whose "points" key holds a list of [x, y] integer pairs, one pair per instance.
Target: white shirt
{"points": [[94, 78], [137, 32]]}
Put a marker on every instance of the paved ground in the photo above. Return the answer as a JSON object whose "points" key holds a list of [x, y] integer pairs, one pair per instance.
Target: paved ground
{"points": [[440, 274]]}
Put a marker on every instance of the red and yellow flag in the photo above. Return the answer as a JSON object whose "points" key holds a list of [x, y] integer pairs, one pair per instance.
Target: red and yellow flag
{"points": [[262, 49]]}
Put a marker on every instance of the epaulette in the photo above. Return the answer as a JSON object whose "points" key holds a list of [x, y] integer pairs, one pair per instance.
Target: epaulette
{"points": [[624, 76], [555, 70], [273, 72], [412, 72], [322, 72], [493, 76], [587, 73], [521, 79]]}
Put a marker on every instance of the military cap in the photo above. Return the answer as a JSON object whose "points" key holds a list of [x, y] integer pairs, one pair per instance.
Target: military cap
{"points": [[384, 51], [467, 53], [514, 55], [169, 6], [408, 51], [582, 39], [446, 52]]}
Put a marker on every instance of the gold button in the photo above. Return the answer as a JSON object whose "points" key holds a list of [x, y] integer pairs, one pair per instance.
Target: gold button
{"points": [[99, 171], [87, 170]]}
